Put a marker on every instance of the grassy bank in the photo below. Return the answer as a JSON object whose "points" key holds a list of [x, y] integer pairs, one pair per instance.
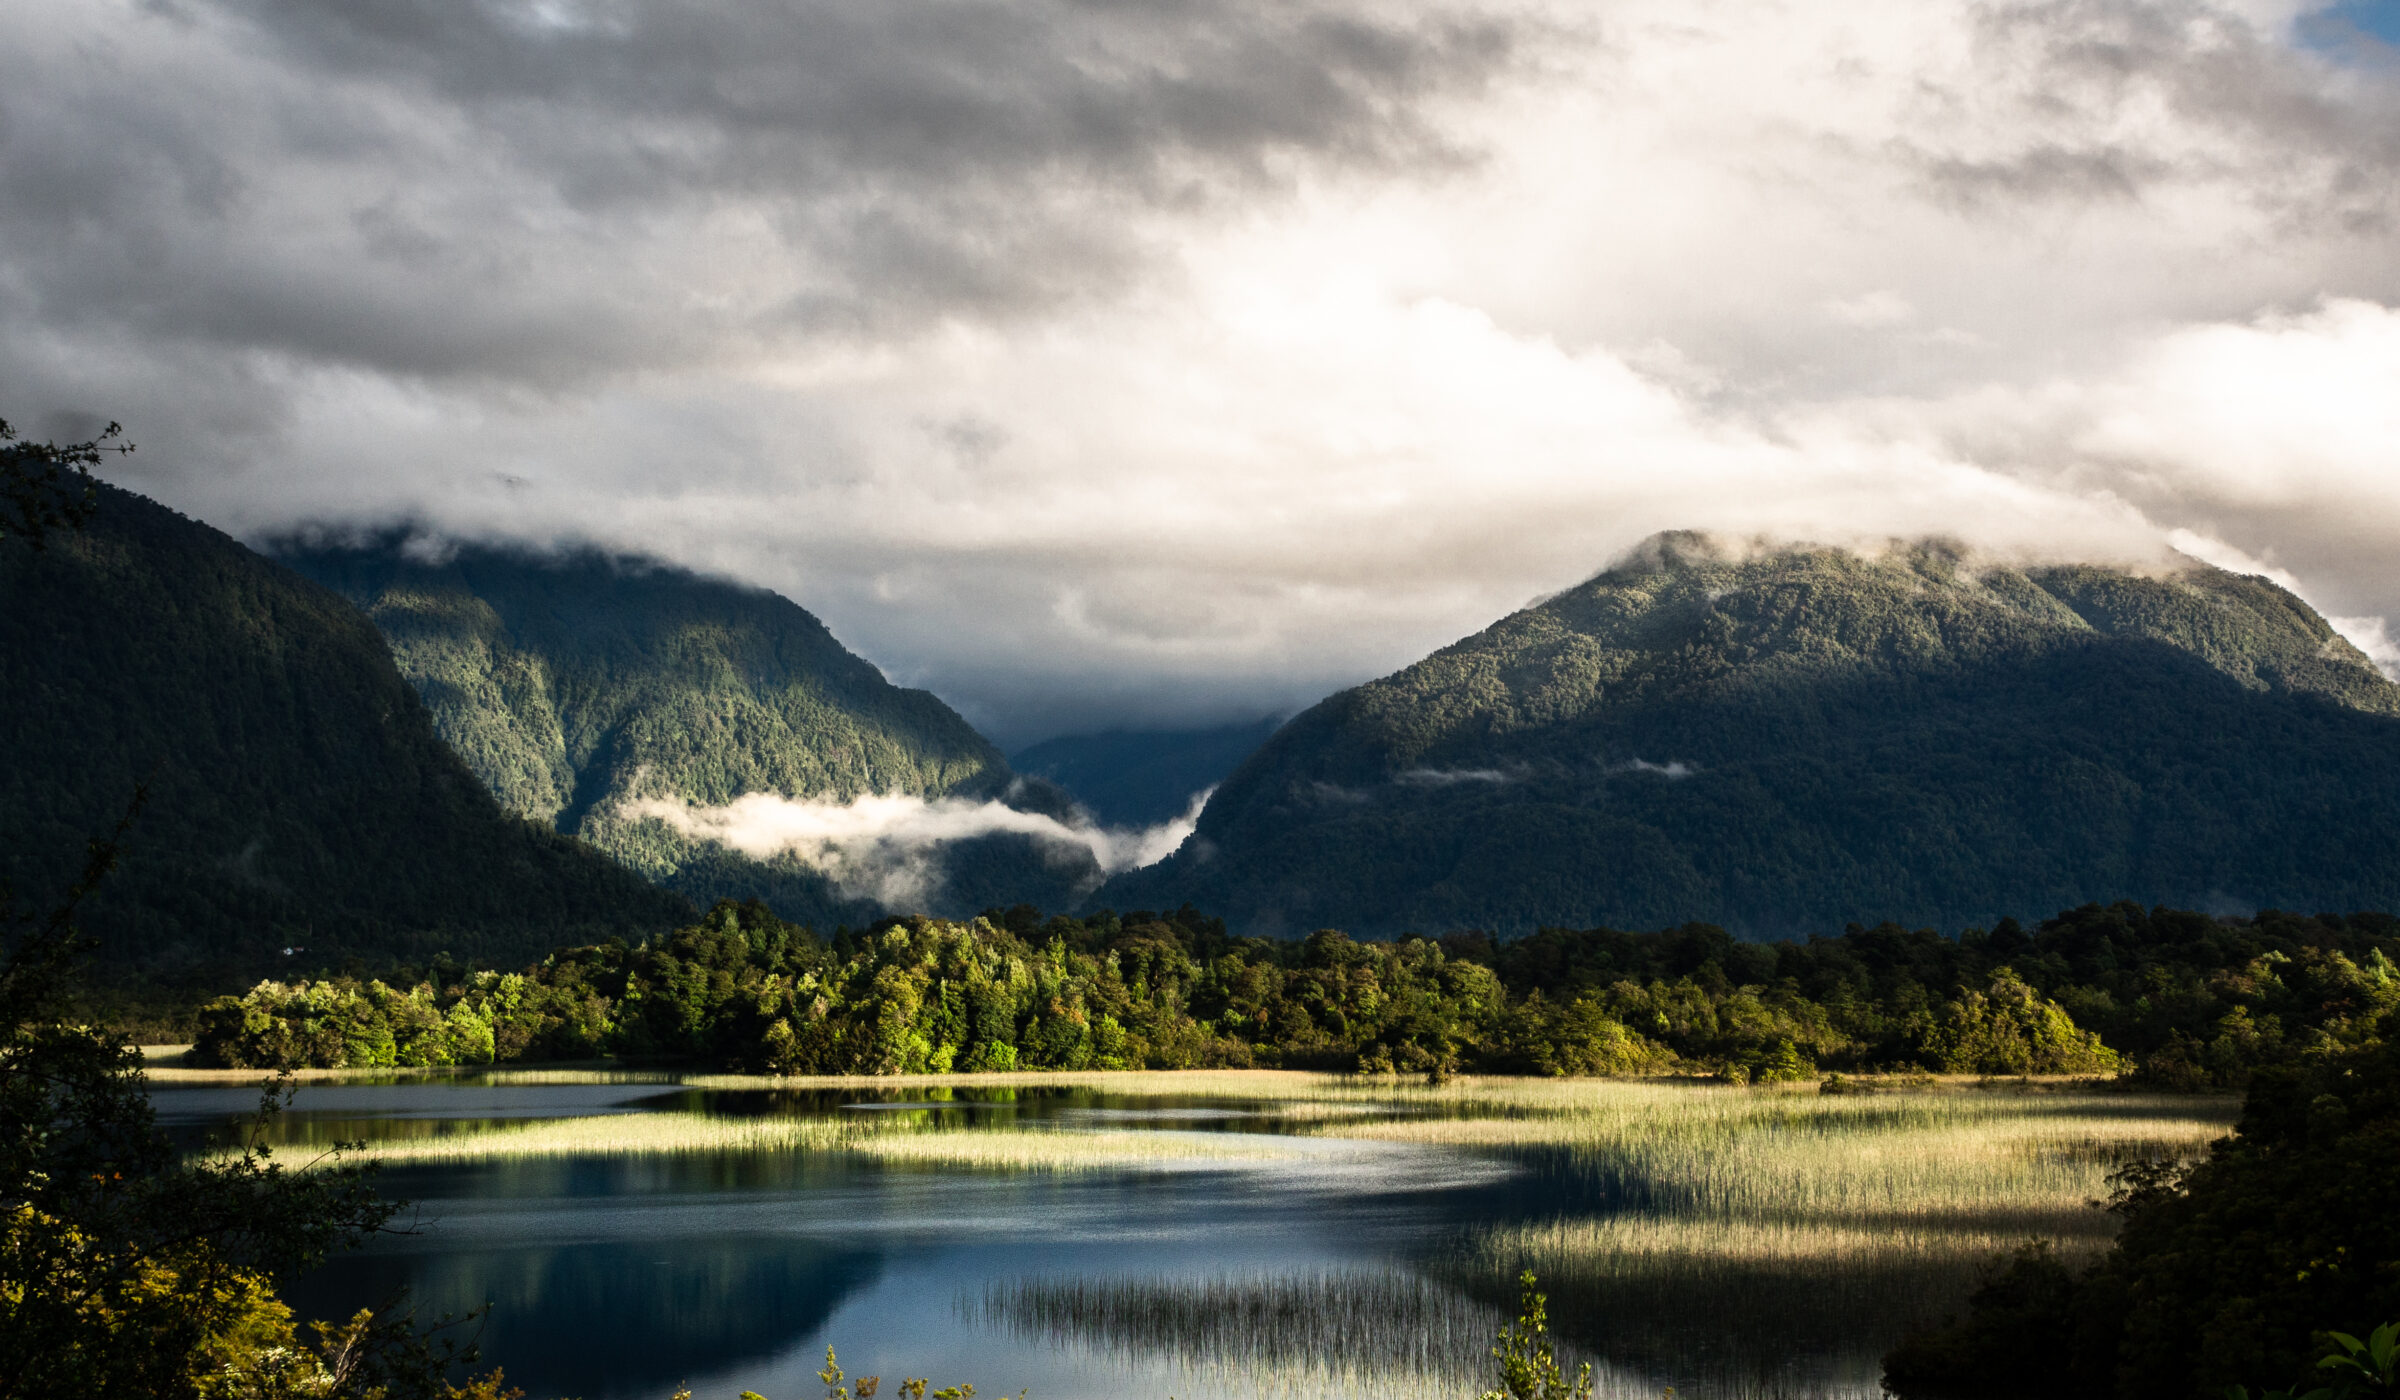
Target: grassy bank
{"points": [[654, 1134]]}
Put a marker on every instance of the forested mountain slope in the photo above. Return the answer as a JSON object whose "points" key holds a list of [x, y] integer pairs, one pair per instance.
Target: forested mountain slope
{"points": [[1793, 740], [298, 795], [574, 683]]}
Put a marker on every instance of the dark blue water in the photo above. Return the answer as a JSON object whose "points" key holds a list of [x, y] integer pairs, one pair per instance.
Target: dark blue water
{"points": [[611, 1278]]}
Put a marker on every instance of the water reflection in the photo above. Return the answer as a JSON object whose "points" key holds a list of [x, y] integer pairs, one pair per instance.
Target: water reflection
{"points": [[601, 1318], [734, 1270], [1343, 1267]]}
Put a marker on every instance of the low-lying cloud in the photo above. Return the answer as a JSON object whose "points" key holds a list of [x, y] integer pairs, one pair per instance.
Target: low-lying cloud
{"points": [[889, 848], [1451, 777]]}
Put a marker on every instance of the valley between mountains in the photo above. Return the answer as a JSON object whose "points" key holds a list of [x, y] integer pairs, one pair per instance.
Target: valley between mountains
{"points": [[1775, 741]]}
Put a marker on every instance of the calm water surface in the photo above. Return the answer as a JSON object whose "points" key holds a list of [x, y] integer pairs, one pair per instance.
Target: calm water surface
{"points": [[1334, 1274]]}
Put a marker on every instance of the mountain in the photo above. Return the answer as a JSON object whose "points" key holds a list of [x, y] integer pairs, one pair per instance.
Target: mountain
{"points": [[1788, 741], [297, 792], [1142, 777], [579, 682]]}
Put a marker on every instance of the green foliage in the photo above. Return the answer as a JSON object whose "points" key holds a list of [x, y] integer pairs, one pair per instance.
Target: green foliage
{"points": [[2222, 1271], [2370, 1367], [1528, 1363], [2196, 1001], [1806, 738], [2009, 1029], [865, 1387], [2362, 1370], [750, 991], [299, 796]]}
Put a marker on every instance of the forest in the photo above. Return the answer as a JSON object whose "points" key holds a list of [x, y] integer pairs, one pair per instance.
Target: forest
{"points": [[2182, 999], [1787, 742]]}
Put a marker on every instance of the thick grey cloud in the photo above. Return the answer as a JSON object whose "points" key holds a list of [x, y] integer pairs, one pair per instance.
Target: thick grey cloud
{"points": [[1100, 362], [538, 193]]}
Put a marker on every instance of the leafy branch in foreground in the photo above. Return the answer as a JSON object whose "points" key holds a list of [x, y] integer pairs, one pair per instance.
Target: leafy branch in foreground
{"points": [[865, 1387], [1529, 1368], [2363, 1370], [127, 1270], [47, 486]]}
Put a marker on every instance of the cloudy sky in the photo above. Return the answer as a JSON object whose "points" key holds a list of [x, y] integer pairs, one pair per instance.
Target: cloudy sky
{"points": [[1121, 362]]}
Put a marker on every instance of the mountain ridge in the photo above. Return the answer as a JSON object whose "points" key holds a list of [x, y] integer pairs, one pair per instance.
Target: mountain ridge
{"points": [[298, 795], [1798, 737]]}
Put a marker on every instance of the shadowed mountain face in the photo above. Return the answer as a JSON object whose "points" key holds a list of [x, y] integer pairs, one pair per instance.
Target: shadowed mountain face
{"points": [[574, 684], [1142, 777], [1792, 741], [298, 795]]}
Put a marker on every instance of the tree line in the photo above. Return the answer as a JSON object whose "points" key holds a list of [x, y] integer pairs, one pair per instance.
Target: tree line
{"points": [[2185, 999]]}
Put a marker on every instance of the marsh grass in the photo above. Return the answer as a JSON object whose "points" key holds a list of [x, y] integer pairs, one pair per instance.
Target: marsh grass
{"points": [[1725, 1240], [1066, 1151], [1385, 1333], [171, 1075], [1190, 1083], [1766, 1241], [1945, 1157], [899, 1142]]}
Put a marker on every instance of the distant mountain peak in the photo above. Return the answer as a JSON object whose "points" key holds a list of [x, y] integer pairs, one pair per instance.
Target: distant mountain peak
{"points": [[1782, 736]]}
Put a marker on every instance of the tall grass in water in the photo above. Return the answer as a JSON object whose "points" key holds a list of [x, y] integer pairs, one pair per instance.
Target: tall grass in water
{"points": [[650, 1134], [1768, 1241], [1943, 1157], [171, 1075], [1382, 1333]]}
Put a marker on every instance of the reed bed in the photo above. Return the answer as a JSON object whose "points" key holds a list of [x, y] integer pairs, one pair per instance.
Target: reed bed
{"points": [[1185, 1083], [168, 1074], [655, 1134], [1941, 1157], [1327, 1333], [1063, 1151], [1763, 1241], [616, 1134], [178, 1075]]}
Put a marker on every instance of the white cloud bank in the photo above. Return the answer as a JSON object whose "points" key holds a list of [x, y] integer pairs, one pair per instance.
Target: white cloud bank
{"points": [[1160, 364], [888, 848]]}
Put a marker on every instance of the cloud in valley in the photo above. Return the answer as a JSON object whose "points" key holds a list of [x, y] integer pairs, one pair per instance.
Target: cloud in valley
{"points": [[888, 848], [1158, 364]]}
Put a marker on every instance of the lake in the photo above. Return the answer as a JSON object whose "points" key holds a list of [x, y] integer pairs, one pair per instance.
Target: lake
{"points": [[1309, 1237]]}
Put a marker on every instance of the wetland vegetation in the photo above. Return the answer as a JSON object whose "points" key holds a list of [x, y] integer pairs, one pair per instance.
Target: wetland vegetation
{"points": [[1654, 1211], [1773, 1188]]}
